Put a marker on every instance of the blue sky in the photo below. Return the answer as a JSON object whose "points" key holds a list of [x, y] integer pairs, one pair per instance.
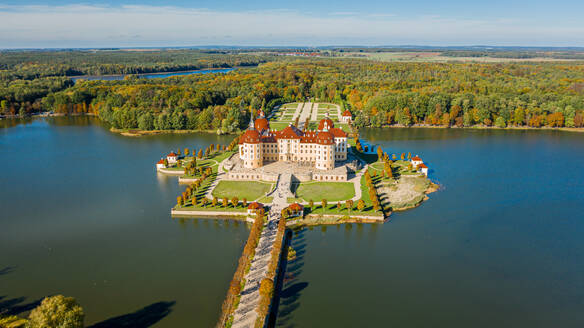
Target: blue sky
{"points": [[129, 23]]}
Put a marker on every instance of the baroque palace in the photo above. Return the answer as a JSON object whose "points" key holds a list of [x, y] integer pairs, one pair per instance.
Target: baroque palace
{"points": [[317, 148]]}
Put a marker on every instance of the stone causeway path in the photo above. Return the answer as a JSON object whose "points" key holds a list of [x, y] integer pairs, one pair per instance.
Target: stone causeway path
{"points": [[245, 314]]}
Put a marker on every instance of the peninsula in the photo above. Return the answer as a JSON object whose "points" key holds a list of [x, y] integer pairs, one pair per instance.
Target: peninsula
{"points": [[301, 165]]}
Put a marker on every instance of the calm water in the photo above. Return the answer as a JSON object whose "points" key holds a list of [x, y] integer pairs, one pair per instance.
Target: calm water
{"points": [[501, 246], [84, 214], [151, 75]]}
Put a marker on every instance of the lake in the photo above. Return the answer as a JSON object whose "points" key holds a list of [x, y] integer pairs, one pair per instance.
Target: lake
{"points": [[84, 214], [150, 75]]}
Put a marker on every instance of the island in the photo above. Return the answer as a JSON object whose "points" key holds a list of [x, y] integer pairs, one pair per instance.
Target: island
{"points": [[301, 165]]}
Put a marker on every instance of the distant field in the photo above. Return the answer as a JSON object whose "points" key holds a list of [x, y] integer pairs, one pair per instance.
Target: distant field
{"points": [[439, 58]]}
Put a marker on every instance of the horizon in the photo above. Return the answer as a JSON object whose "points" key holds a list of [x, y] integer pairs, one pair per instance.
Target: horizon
{"points": [[65, 24]]}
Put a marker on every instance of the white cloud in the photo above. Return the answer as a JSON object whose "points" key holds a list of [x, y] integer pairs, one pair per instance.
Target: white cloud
{"points": [[131, 25]]}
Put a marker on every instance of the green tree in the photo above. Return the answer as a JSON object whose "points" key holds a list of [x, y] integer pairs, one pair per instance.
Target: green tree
{"points": [[500, 122], [57, 312]]}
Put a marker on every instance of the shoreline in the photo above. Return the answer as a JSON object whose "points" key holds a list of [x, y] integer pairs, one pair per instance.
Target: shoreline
{"points": [[80, 77], [142, 133], [479, 127]]}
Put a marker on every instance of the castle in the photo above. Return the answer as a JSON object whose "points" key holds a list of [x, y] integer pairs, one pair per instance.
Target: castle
{"points": [[319, 148]]}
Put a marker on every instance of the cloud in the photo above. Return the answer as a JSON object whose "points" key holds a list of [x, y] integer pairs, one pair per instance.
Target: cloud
{"points": [[134, 25]]}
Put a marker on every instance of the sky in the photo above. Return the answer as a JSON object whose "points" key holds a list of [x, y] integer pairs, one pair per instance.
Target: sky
{"points": [[145, 23]]}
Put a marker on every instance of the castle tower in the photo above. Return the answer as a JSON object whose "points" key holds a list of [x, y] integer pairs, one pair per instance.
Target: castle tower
{"points": [[250, 151], [325, 158]]}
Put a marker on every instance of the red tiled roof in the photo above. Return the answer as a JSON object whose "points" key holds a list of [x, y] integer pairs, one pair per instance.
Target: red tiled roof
{"points": [[422, 166], [255, 206], [288, 133], [261, 124], [161, 161], [172, 154], [416, 158], [250, 136], [338, 133], [347, 113], [328, 122], [296, 207], [325, 138]]}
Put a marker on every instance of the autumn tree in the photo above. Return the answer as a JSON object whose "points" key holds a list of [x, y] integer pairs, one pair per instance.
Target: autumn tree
{"points": [[323, 202], [200, 154], [234, 201], [214, 201], [57, 311], [194, 200], [361, 205], [225, 202], [349, 204]]}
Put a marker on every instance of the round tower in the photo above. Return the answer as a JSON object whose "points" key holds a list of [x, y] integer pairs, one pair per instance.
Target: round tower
{"points": [[250, 150]]}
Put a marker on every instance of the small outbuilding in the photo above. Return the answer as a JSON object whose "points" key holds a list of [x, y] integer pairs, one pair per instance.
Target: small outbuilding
{"points": [[172, 158], [346, 117], [295, 210], [254, 207], [160, 164], [416, 161], [423, 168]]}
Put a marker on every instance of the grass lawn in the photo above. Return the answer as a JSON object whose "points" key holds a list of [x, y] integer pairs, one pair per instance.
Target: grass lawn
{"points": [[266, 200], [250, 190], [331, 191], [278, 125]]}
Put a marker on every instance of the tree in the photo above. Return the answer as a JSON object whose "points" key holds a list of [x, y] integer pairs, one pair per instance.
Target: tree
{"points": [[244, 202], [379, 153], [311, 204], [200, 154], [194, 200], [234, 201], [403, 156], [179, 200], [409, 156], [361, 205], [225, 202], [349, 204], [186, 152], [57, 312], [500, 122], [578, 120], [324, 203], [204, 201], [339, 206], [393, 157], [214, 201]]}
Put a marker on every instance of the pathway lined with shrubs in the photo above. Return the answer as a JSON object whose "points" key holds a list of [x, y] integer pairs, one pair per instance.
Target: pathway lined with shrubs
{"points": [[246, 314]]}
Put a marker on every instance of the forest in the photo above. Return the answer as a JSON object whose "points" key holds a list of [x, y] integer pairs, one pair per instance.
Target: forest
{"points": [[532, 94], [27, 76]]}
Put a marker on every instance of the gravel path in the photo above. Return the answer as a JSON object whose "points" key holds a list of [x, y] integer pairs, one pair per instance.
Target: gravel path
{"points": [[245, 314]]}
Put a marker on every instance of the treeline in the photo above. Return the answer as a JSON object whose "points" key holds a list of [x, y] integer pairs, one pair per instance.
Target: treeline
{"points": [[195, 102], [27, 76], [377, 93], [463, 94]]}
